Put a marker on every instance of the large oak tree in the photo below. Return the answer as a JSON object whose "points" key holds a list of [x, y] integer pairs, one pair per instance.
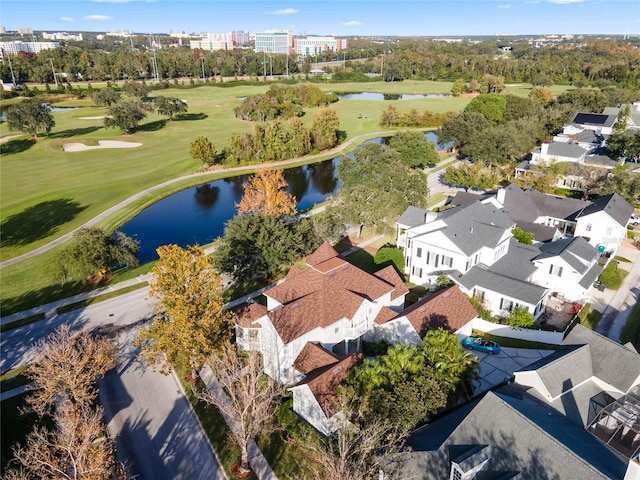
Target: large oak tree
{"points": [[190, 323]]}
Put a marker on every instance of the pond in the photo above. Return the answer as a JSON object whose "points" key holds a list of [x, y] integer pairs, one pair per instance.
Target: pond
{"points": [[197, 215], [389, 96], [3, 116]]}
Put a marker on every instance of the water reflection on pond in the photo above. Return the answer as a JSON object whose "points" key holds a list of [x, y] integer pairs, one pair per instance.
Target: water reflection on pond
{"points": [[197, 215]]}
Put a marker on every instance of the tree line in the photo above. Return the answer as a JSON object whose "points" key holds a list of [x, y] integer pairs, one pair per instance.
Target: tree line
{"points": [[592, 62]]}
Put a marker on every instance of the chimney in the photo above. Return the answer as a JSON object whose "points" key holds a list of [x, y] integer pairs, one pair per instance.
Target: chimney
{"points": [[500, 196], [430, 217]]}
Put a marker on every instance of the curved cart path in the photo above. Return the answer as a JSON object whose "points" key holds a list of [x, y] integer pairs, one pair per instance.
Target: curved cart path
{"points": [[63, 238]]}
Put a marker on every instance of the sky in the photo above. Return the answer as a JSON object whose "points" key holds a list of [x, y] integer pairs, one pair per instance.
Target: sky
{"points": [[329, 17]]}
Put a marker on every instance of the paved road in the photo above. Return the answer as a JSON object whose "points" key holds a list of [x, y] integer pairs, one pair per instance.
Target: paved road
{"points": [[17, 345], [157, 434]]}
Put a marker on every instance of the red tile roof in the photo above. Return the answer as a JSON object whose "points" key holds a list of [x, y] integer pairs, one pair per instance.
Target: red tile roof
{"points": [[448, 308], [324, 382], [245, 316], [389, 275], [329, 290], [312, 357], [385, 315], [322, 254]]}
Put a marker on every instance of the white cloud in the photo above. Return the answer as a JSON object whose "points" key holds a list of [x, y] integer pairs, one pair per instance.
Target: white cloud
{"points": [[284, 11], [564, 2], [67, 19], [351, 23], [504, 6], [97, 17]]}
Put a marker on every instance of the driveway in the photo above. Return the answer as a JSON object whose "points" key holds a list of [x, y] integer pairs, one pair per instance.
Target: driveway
{"points": [[495, 369]]}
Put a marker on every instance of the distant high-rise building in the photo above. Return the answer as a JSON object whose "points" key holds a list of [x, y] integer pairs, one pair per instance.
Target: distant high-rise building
{"points": [[25, 30], [121, 33], [12, 48], [274, 41], [62, 36], [241, 38], [213, 42], [3, 30], [315, 45]]}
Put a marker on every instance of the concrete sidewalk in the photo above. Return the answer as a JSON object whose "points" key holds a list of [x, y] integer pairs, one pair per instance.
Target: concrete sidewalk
{"points": [[616, 305], [258, 463]]}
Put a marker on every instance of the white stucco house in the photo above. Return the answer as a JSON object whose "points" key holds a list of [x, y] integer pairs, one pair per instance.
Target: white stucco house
{"points": [[331, 303], [488, 263]]}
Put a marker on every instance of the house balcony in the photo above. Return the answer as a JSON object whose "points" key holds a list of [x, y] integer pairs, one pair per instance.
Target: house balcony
{"points": [[402, 240]]}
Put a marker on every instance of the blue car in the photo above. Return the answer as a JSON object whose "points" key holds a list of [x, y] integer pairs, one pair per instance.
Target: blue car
{"points": [[477, 343]]}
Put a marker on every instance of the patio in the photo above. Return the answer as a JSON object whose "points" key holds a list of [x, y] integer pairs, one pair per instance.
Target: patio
{"points": [[558, 312]]}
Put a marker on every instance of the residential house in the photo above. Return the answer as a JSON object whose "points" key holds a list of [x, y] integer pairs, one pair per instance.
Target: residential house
{"points": [[448, 308], [602, 221], [573, 414], [558, 152], [598, 122], [332, 303], [315, 397], [452, 240]]}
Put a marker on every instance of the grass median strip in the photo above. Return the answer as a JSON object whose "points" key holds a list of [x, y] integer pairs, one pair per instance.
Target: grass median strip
{"points": [[100, 298], [22, 322]]}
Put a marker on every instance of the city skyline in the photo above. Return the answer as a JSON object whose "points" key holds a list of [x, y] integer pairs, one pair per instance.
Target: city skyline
{"points": [[331, 17]]}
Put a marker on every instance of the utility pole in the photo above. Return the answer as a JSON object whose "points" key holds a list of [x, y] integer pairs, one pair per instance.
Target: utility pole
{"points": [[287, 65], [54, 72], [270, 67], [382, 64], [13, 77], [264, 62]]}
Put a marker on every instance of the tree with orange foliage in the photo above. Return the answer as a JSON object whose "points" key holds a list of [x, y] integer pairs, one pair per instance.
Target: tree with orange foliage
{"points": [[265, 193]]}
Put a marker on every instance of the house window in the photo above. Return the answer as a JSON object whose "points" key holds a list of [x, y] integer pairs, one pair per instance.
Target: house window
{"points": [[555, 270], [432, 259], [478, 294], [588, 227], [506, 304], [467, 266], [417, 272], [419, 252], [337, 330], [447, 261]]}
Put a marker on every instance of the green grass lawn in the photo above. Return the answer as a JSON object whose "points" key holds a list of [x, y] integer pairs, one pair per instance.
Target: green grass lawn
{"points": [[514, 342]]}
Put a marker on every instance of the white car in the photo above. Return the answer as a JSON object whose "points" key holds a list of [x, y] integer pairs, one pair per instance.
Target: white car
{"points": [[635, 219]]}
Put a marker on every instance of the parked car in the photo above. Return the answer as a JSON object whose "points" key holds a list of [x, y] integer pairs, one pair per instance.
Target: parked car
{"points": [[480, 344], [635, 219]]}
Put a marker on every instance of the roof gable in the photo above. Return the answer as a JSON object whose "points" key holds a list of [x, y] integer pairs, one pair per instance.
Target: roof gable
{"points": [[324, 382], [613, 205], [322, 254], [312, 357]]}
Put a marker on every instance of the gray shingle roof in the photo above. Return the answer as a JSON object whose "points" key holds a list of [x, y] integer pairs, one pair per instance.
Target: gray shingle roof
{"points": [[480, 276], [562, 149], [412, 217], [541, 233], [572, 250], [462, 198], [525, 437], [600, 160], [594, 272], [613, 205], [528, 205], [589, 136], [612, 362], [565, 368], [475, 225], [517, 263]]}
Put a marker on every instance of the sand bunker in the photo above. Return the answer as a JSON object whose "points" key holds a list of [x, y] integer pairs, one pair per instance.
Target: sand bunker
{"points": [[80, 147], [98, 117]]}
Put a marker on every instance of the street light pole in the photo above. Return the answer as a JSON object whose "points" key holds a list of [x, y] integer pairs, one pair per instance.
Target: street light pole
{"points": [[54, 72], [264, 63], [202, 62]]}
